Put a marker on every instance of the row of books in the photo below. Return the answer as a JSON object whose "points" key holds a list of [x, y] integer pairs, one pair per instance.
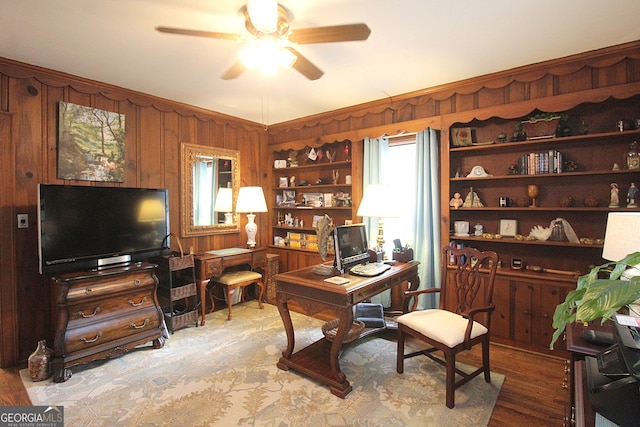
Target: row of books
{"points": [[540, 163]]}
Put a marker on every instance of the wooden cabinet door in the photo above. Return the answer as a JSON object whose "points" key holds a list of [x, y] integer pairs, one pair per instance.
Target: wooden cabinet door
{"points": [[501, 317], [549, 298], [523, 294]]}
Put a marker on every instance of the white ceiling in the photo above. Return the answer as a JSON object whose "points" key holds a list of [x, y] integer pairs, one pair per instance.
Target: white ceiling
{"points": [[414, 44]]}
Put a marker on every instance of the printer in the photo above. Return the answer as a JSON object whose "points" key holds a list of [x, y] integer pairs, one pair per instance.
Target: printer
{"points": [[613, 376]]}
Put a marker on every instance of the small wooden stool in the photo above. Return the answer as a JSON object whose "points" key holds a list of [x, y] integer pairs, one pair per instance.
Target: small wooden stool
{"points": [[239, 279]]}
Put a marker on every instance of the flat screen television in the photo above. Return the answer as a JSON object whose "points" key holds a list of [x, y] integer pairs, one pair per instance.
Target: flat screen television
{"points": [[350, 246], [89, 228]]}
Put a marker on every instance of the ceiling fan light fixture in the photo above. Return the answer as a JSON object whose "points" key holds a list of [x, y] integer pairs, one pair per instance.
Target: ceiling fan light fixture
{"points": [[263, 15], [286, 58], [250, 55], [266, 54]]}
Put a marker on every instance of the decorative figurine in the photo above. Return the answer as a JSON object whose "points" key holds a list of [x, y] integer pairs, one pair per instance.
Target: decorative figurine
{"points": [[584, 128], [591, 201], [632, 196], [472, 200], [456, 202], [478, 230], [615, 197], [633, 158], [292, 160], [567, 201], [502, 137]]}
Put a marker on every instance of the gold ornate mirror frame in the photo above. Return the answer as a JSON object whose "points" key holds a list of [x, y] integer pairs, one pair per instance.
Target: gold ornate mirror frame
{"points": [[225, 165]]}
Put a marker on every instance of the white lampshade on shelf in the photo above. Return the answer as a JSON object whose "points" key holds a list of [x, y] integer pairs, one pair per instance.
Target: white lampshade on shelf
{"points": [[622, 236], [379, 201], [224, 203], [251, 200]]}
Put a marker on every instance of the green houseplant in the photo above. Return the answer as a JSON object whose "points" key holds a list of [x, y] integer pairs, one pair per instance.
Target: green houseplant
{"points": [[599, 294]]}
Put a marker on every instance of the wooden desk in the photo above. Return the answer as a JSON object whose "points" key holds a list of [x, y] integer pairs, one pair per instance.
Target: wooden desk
{"points": [[309, 291], [213, 263]]}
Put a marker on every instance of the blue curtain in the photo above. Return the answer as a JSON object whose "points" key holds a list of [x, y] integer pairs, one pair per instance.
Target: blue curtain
{"points": [[375, 150], [427, 219]]}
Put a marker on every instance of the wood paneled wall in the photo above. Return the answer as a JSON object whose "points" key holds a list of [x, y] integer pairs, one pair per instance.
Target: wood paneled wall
{"points": [[155, 128], [515, 90]]}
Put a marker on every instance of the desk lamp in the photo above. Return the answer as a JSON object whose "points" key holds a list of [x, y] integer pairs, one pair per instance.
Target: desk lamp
{"points": [[379, 201], [250, 200], [224, 204]]}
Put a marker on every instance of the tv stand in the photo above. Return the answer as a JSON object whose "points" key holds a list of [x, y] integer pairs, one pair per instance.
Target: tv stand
{"points": [[104, 314]]}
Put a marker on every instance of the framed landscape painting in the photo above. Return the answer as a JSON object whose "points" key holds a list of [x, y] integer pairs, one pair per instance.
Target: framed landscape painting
{"points": [[90, 144]]}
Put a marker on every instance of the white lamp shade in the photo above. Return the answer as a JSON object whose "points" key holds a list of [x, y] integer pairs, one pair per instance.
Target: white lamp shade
{"points": [[224, 200], [622, 236], [380, 201], [250, 200]]}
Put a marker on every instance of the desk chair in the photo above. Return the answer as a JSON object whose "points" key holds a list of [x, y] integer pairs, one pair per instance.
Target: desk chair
{"points": [[239, 279], [468, 293]]}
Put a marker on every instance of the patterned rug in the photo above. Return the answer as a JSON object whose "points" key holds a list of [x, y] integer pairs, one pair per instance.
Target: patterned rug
{"points": [[225, 374]]}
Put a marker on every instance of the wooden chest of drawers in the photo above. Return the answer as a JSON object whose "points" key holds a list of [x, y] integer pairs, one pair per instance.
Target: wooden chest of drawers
{"points": [[104, 314]]}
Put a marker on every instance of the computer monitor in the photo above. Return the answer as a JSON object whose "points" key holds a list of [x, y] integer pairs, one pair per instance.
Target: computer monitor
{"points": [[351, 246]]}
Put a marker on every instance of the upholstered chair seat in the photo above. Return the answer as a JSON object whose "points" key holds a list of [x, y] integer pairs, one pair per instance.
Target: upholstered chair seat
{"points": [[441, 325]]}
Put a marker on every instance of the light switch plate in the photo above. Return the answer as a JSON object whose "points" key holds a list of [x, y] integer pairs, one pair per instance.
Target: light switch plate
{"points": [[23, 220]]}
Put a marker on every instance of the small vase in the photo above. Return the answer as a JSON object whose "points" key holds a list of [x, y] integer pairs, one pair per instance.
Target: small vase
{"points": [[39, 362]]}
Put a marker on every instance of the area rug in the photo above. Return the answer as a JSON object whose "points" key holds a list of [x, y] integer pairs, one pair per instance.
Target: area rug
{"points": [[225, 374]]}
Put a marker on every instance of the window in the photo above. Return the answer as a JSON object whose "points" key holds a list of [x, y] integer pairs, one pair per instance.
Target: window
{"points": [[399, 170]]}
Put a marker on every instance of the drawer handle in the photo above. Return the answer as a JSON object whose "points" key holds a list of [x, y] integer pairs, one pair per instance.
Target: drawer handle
{"points": [[133, 304], [88, 341], [86, 316], [134, 326], [136, 282], [88, 291]]}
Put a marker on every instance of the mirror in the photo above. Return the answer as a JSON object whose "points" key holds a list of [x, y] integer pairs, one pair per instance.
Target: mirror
{"points": [[210, 181]]}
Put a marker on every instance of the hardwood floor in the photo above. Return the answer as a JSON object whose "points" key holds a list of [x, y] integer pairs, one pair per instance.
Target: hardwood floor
{"points": [[532, 392]]}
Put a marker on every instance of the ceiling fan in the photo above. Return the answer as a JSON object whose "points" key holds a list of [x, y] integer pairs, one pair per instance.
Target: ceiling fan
{"points": [[268, 25]]}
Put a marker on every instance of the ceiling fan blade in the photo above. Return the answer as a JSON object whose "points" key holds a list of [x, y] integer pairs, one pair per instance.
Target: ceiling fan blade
{"points": [[198, 33], [234, 71], [304, 66], [335, 33]]}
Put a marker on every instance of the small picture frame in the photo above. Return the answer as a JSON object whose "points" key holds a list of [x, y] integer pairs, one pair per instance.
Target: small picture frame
{"points": [[284, 182], [289, 198], [508, 227], [461, 137]]}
